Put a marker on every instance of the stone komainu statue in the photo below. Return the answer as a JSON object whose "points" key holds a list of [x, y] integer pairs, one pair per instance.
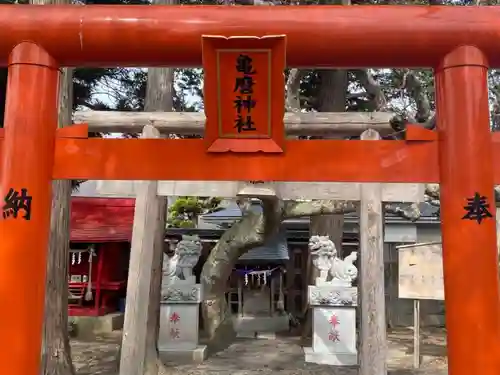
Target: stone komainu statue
{"points": [[180, 265], [331, 267]]}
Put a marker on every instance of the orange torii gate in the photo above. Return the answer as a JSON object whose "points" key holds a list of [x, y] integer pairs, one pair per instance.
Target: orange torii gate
{"points": [[459, 43]]}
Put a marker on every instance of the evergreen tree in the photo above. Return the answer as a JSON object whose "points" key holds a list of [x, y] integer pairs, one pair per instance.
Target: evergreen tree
{"points": [[184, 212]]}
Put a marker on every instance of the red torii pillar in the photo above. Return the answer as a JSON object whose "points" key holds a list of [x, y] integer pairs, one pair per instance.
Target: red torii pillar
{"points": [[28, 159], [469, 247]]}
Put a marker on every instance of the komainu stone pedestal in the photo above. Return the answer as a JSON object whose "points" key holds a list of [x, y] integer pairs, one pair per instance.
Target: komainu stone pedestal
{"points": [[334, 325], [333, 305], [179, 311]]}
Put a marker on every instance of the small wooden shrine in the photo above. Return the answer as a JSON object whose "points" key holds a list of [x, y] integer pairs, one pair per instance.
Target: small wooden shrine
{"points": [[259, 301], [101, 230]]}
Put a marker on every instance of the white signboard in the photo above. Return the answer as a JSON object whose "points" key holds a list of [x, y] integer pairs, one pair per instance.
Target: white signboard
{"points": [[421, 271]]}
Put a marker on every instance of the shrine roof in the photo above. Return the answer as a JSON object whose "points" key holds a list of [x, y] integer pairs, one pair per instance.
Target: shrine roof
{"points": [[98, 219], [101, 219], [275, 249]]}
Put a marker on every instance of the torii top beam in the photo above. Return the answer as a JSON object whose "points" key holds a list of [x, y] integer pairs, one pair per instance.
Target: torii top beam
{"points": [[331, 36]]}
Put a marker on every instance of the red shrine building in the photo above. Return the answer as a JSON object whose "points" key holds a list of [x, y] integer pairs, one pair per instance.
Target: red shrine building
{"points": [[101, 231]]}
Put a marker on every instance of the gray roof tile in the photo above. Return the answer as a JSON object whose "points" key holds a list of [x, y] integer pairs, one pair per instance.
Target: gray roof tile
{"points": [[275, 249]]}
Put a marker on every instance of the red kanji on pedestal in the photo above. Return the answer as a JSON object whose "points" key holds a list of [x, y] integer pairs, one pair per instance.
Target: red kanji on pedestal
{"points": [[175, 333], [334, 335], [334, 320], [174, 317]]}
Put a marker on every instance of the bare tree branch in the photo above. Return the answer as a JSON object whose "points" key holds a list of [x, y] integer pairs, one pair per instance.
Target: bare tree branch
{"points": [[432, 194], [494, 90], [424, 114], [372, 88], [292, 103], [319, 207], [292, 94], [432, 191], [331, 207], [416, 91], [411, 212]]}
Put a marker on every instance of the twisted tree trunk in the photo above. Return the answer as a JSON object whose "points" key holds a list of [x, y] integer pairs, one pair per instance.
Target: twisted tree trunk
{"points": [[252, 231]]}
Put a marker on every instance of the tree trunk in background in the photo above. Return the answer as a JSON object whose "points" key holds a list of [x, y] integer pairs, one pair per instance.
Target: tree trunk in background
{"points": [[332, 98], [159, 98], [56, 349]]}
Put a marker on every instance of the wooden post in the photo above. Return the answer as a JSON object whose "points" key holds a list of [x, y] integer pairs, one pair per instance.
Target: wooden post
{"points": [[416, 333], [373, 345], [272, 292], [30, 126], [159, 98], [289, 279], [145, 255], [240, 295], [470, 259]]}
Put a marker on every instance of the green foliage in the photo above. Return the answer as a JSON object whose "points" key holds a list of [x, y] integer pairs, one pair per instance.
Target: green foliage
{"points": [[185, 210], [86, 82], [129, 89]]}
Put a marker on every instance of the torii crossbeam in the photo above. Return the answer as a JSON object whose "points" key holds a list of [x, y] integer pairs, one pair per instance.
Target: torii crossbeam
{"points": [[459, 43]]}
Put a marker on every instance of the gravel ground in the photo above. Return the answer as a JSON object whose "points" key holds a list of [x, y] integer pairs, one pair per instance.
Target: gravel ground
{"points": [[282, 355]]}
